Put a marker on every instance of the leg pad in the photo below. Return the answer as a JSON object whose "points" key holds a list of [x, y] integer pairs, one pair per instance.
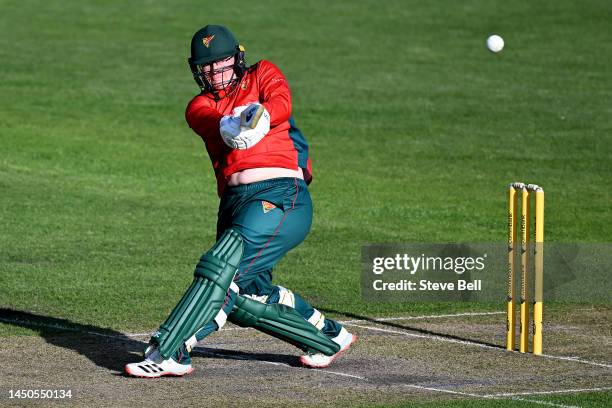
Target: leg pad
{"points": [[282, 322], [204, 298]]}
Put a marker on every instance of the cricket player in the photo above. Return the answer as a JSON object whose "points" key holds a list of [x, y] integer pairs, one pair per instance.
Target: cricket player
{"points": [[261, 163]]}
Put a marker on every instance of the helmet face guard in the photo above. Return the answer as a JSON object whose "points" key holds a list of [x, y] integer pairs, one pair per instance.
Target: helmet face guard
{"points": [[231, 75]]}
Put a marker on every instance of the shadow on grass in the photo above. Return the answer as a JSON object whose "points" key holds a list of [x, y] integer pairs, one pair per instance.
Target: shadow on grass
{"points": [[109, 348], [412, 329]]}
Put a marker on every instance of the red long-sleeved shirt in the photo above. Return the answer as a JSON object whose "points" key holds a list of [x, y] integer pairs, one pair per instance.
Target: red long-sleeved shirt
{"points": [[263, 83]]}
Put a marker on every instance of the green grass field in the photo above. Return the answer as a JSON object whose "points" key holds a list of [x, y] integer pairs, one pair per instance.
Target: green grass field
{"points": [[107, 198]]}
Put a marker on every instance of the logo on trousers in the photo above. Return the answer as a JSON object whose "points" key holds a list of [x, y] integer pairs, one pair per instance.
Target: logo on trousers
{"points": [[267, 206]]}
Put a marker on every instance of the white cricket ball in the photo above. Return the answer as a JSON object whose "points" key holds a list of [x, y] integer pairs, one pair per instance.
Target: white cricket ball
{"points": [[495, 43]]}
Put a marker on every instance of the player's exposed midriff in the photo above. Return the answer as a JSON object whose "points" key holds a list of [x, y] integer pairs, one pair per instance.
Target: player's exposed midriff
{"points": [[262, 173]]}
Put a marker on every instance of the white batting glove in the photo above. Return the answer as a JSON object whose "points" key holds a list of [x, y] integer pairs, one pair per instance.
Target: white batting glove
{"points": [[250, 137], [229, 128], [242, 137]]}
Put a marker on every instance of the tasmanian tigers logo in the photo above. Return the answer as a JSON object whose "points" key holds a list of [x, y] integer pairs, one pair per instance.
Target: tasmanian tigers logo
{"points": [[206, 40], [267, 206]]}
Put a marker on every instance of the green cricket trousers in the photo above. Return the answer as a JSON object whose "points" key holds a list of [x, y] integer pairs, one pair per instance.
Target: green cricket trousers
{"points": [[273, 216]]}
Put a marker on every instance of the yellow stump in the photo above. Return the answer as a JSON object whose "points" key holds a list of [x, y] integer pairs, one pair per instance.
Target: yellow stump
{"points": [[538, 305], [510, 314], [524, 332]]}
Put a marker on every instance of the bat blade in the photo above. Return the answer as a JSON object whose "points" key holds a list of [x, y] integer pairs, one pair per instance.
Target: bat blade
{"points": [[250, 116]]}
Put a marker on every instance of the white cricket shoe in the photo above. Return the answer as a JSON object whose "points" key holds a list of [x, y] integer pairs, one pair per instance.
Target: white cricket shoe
{"points": [[155, 366], [319, 360]]}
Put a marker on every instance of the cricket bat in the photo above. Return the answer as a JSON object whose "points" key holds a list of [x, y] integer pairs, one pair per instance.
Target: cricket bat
{"points": [[250, 116]]}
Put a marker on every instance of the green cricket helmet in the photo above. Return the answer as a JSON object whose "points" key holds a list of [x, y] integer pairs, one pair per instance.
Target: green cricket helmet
{"points": [[211, 44]]}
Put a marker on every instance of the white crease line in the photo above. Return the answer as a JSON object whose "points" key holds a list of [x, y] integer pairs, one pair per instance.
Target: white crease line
{"points": [[426, 336], [390, 319], [342, 374], [421, 387], [394, 318], [511, 394], [138, 334], [469, 394], [471, 343], [577, 359]]}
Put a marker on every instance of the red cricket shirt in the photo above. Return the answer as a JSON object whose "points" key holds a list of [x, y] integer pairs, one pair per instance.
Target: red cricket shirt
{"points": [[263, 83]]}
